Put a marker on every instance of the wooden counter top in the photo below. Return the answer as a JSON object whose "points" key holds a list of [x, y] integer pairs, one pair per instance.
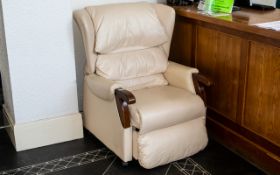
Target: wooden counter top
{"points": [[242, 20]]}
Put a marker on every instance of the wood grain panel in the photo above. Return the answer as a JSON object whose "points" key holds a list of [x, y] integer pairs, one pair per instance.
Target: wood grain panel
{"points": [[244, 147], [218, 56], [244, 62], [182, 50], [262, 107]]}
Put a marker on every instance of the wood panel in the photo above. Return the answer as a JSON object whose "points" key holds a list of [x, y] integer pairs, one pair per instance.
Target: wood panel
{"points": [[218, 56], [244, 62], [182, 50], [262, 107], [244, 147]]}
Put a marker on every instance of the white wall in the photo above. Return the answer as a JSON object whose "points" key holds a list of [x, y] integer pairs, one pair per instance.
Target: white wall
{"points": [[4, 68], [39, 39], [79, 50]]}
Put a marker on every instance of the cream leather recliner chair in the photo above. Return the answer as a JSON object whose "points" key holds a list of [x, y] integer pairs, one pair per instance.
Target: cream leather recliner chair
{"points": [[136, 102]]}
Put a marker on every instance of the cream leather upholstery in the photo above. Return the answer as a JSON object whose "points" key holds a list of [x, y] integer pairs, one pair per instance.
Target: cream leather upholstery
{"points": [[136, 35], [85, 24], [133, 64], [101, 87], [167, 107], [127, 45], [172, 143], [143, 82], [180, 76]]}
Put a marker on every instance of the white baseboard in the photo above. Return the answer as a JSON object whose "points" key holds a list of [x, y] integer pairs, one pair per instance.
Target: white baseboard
{"points": [[44, 132]]}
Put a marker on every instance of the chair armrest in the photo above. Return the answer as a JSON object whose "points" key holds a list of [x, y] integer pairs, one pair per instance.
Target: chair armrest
{"points": [[180, 76], [203, 79], [123, 99], [101, 87], [200, 82]]}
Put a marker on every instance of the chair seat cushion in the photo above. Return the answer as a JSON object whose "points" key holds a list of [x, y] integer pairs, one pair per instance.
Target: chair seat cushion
{"points": [[164, 106]]}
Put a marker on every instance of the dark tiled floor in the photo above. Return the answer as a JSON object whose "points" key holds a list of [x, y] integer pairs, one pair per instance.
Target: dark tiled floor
{"points": [[215, 159], [10, 159], [219, 160]]}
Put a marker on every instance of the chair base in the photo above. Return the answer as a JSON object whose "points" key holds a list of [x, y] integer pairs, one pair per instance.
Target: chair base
{"points": [[154, 148]]}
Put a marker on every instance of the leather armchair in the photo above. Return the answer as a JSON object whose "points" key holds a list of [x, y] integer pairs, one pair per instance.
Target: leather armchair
{"points": [[139, 104]]}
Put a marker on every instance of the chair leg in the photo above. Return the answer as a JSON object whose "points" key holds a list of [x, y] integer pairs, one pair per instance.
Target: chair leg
{"points": [[124, 164]]}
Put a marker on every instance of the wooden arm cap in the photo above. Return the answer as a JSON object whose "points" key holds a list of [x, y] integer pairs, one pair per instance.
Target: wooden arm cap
{"points": [[206, 81], [123, 99], [200, 81]]}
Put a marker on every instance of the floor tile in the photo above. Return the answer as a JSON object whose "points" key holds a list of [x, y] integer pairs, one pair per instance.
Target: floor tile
{"points": [[215, 159]]}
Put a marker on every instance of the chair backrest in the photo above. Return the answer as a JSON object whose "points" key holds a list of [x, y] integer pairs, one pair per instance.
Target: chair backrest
{"points": [[126, 41]]}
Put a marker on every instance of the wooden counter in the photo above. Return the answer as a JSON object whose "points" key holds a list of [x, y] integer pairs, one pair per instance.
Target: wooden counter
{"points": [[244, 62], [242, 20]]}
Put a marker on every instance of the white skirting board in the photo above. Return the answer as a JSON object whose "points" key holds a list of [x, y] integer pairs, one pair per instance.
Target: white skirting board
{"points": [[44, 132]]}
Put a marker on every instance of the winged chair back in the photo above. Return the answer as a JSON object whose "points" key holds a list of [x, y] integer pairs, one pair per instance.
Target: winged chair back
{"points": [[134, 37]]}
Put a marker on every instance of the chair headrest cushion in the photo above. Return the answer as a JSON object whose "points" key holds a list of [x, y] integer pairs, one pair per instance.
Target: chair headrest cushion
{"points": [[126, 27]]}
